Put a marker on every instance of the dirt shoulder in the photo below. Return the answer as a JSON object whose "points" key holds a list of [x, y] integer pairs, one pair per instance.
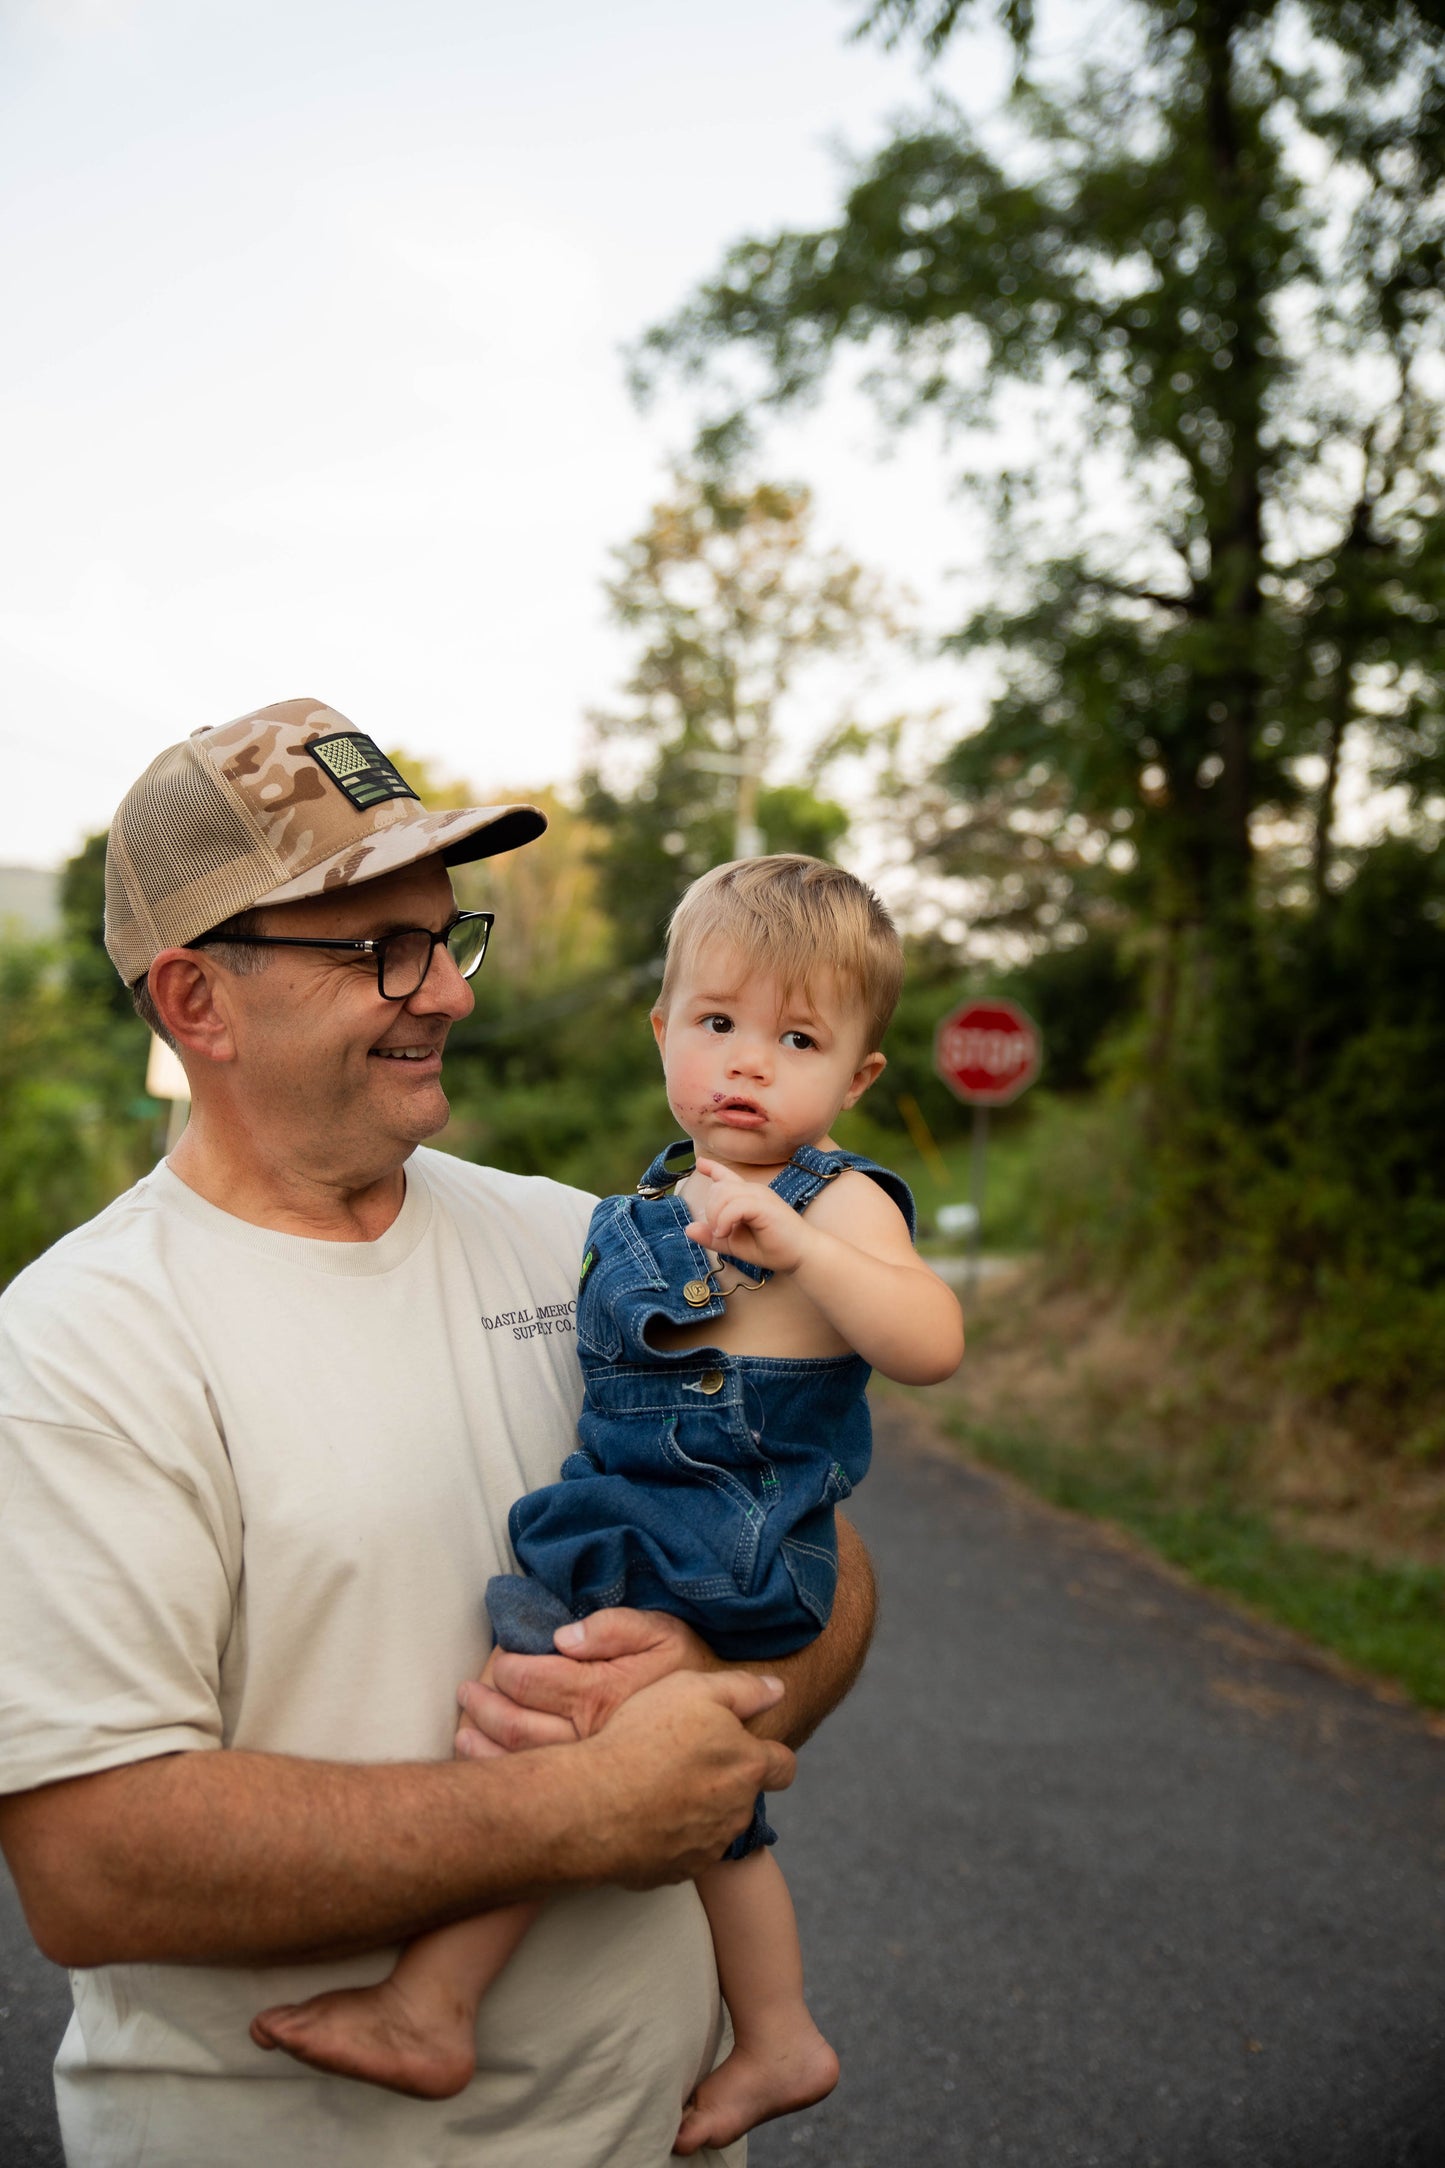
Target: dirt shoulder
{"points": [[1095, 1375]]}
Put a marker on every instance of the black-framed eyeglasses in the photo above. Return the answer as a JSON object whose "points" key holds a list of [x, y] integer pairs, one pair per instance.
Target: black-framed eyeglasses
{"points": [[403, 958]]}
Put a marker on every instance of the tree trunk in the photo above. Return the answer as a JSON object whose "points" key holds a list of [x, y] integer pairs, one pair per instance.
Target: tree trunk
{"points": [[1163, 1014], [1237, 544], [1341, 708]]}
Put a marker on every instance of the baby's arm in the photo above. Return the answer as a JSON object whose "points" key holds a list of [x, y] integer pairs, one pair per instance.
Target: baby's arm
{"points": [[851, 1256]]}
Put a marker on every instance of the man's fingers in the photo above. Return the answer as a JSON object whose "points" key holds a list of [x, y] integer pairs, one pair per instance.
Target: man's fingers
{"points": [[780, 1766], [473, 1745], [748, 1694], [607, 1634], [685, 1770], [555, 1686], [607, 1658], [508, 1724]]}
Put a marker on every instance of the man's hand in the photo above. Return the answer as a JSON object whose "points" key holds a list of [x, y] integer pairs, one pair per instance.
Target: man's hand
{"points": [[526, 1701], [671, 1780]]}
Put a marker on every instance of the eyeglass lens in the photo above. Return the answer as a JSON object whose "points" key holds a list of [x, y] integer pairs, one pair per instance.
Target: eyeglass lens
{"points": [[467, 944], [406, 957]]}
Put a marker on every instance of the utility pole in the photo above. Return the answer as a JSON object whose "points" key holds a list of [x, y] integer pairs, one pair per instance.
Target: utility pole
{"points": [[167, 1080], [748, 837], [746, 768]]}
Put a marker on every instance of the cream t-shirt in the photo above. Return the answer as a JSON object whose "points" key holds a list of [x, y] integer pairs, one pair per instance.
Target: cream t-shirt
{"points": [[251, 1488]]}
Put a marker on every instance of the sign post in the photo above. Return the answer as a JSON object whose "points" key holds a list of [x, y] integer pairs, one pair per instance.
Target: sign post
{"points": [[986, 1052]]}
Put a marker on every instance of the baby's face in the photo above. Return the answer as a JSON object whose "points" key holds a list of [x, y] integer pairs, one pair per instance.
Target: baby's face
{"points": [[754, 1071]]}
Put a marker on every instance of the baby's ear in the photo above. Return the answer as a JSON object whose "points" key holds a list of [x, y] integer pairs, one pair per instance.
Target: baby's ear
{"points": [[658, 1021], [867, 1072]]}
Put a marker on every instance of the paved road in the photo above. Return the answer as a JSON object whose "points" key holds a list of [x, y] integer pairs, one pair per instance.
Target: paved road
{"points": [[34, 2005], [1137, 1884], [1092, 1874]]}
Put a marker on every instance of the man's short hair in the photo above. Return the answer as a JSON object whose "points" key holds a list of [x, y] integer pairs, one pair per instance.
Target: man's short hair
{"points": [[242, 960], [796, 919]]}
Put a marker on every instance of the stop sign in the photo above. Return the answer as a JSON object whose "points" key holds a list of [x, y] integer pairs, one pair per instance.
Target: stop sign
{"points": [[987, 1052]]}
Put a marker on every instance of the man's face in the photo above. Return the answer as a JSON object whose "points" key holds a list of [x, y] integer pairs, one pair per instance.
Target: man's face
{"points": [[327, 1070]]}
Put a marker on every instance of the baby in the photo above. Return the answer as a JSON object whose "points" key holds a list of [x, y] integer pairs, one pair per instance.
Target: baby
{"points": [[727, 1319]]}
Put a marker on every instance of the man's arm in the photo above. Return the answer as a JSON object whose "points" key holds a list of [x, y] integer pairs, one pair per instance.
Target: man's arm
{"points": [[530, 1701], [232, 1857], [818, 1677]]}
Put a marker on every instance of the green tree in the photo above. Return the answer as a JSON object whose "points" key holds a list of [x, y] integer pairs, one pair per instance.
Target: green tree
{"points": [[732, 600], [75, 1127], [550, 929], [1202, 275]]}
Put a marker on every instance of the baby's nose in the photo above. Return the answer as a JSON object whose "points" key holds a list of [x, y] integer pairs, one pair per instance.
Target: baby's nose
{"points": [[749, 1057]]}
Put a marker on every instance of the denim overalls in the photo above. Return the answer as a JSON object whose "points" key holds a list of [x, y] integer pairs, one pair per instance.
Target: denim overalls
{"points": [[703, 1482]]}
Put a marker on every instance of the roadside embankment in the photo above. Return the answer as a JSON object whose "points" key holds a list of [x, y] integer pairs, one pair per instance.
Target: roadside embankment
{"points": [[1208, 1456]]}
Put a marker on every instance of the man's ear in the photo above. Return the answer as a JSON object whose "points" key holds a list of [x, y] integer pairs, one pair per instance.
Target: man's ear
{"points": [[867, 1072], [185, 985]]}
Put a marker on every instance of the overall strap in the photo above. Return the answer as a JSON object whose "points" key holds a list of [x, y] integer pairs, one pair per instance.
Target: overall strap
{"points": [[674, 1165], [809, 1171]]}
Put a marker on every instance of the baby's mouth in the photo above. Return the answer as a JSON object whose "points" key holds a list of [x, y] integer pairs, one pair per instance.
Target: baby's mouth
{"points": [[739, 1112]]}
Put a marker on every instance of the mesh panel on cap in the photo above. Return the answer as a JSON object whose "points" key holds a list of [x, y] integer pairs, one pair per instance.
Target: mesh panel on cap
{"points": [[119, 916], [176, 826], [129, 933], [180, 860]]}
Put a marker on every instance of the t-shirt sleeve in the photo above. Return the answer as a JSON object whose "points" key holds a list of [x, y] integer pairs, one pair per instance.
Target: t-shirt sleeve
{"points": [[119, 1553]]}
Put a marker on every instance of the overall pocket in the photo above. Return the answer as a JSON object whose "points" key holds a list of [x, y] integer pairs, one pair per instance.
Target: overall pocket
{"points": [[723, 1518], [616, 1266]]}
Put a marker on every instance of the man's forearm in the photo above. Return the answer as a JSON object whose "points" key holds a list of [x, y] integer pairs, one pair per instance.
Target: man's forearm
{"points": [[236, 1857], [230, 1857], [818, 1677]]}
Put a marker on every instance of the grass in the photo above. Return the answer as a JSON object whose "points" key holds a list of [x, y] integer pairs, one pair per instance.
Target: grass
{"points": [[1017, 1140], [1386, 1619], [1200, 1443]]}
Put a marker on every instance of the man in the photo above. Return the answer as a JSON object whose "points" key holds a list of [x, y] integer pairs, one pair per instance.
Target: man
{"points": [[261, 1424]]}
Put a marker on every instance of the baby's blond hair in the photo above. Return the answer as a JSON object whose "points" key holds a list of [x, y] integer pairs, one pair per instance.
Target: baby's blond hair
{"points": [[793, 918]]}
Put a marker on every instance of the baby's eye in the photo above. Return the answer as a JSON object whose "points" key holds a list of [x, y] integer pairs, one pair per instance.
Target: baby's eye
{"points": [[799, 1041], [717, 1023]]}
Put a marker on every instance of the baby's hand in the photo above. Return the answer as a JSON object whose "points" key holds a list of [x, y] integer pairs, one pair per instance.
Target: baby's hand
{"points": [[747, 1220]]}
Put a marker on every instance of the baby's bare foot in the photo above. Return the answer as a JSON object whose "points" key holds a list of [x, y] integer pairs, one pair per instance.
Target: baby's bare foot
{"points": [[760, 2079], [377, 2034]]}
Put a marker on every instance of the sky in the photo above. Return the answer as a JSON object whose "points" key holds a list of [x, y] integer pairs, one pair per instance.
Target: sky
{"points": [[311, 381]]}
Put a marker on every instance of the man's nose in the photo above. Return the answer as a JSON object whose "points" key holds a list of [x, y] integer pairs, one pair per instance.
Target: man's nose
{"points": [[443, 992]]}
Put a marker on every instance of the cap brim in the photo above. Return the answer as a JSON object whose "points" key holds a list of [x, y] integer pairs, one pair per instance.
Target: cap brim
{"points": [[458, 837]]}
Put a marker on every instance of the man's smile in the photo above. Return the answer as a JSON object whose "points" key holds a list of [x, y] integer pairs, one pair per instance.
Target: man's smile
{"points": [[407, 1053]]}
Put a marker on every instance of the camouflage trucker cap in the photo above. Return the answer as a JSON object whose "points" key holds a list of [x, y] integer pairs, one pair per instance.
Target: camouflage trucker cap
{"points": [[286, 802]]}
